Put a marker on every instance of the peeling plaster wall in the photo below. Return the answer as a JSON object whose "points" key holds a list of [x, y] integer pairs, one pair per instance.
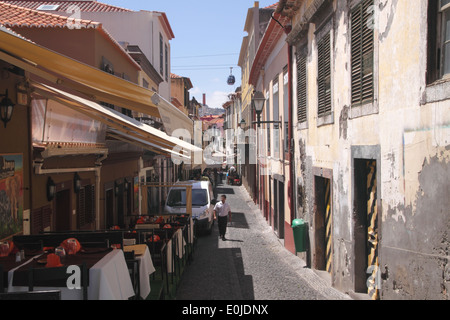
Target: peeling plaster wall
{"points": [[413, 137]]}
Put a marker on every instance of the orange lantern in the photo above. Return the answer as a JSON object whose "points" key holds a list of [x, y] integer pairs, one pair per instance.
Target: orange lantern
{"points": [[71, 246]]}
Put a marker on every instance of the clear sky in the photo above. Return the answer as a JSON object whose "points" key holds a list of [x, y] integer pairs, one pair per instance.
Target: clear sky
{"points": [[208, 38]]}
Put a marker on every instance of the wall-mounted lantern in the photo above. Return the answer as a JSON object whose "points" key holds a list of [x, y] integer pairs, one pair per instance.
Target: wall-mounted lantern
{"points": [[6, 108], [51, 189], [76, 183], [258, 102]]}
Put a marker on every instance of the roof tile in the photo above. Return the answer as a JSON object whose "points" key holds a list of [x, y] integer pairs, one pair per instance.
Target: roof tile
{"points": [[14, 16], [85, 6]]}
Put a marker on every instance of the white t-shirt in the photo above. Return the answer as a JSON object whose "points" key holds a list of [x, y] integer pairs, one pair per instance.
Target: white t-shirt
{"points": [[222, 209]]}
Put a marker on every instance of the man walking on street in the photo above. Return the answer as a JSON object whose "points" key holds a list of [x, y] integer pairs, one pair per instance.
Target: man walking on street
{"points": [[222, 212]]}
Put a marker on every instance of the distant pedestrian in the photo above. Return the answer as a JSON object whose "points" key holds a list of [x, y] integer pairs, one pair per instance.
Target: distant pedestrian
{"points": [[222, 213]]}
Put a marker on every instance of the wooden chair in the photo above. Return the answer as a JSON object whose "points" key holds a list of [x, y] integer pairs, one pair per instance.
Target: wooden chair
{"points": [[28, 296], [44, 277], [133, 267]]}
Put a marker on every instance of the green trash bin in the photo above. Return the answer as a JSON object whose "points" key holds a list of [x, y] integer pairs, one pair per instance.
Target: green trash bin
{"points": [[299, 228]]}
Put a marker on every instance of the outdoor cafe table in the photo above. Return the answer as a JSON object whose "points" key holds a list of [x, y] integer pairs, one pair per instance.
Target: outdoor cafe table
{"points": [[146, 267], [109, 278]]}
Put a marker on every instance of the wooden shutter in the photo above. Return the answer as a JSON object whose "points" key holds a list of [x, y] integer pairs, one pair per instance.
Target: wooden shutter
{"points": [[36, 221], [301, 88], [324, 75], [41, 219], [362, 54], [90, 204], [86, 206], [81, 212], [46, 217]]}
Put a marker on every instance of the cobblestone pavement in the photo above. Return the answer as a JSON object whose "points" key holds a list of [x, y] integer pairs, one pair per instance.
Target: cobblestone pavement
{"points": [[251, 265]]}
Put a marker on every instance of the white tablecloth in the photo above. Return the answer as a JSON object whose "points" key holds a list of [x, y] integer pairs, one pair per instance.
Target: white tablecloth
{"points": [[146, 268], [180, 243], [109, 279]]}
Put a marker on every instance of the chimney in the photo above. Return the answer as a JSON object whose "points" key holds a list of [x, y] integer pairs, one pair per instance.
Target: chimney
{"points": [[204, 99]]}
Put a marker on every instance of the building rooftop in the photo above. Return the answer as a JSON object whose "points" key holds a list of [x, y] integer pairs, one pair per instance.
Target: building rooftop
{"points": [[12, 16], [15, 16], [66, 6]]}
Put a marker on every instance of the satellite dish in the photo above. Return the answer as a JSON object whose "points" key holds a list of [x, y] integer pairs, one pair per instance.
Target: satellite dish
{"points": [[231, 79]]}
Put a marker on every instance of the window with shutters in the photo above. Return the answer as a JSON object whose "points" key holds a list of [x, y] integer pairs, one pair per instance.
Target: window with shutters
{"points": [[438, 60], [86, 206], [161, 55], [268, 119], [276, 117], [166, 61], [438, 52], [302, 93], [362, 56], [286, 111], [41, 219], [324, 75]]}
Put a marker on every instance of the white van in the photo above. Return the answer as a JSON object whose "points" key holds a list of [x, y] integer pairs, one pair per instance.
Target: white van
{"points": [[202, 203]]}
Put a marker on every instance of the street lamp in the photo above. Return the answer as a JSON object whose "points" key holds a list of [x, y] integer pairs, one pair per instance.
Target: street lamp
{"points": [[258, 102], [242, 124], [6, 108]]}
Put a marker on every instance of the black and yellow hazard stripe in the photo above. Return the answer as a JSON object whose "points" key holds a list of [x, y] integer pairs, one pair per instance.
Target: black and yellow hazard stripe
{"points": [[372, 229], [328, 226]]}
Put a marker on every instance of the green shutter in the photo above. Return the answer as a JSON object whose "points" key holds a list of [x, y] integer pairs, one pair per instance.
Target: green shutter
{"points": [[324, 75], [362, 54], [301, 89]]}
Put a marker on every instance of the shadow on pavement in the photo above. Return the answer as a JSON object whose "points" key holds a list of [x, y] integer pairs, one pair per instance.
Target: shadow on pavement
{"points": [[216, 272], [223, 190], [238, 220]]}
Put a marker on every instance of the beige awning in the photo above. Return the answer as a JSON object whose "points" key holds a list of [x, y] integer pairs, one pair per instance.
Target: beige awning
{"points": [[118, 135], [172, 117], [120, 125]]}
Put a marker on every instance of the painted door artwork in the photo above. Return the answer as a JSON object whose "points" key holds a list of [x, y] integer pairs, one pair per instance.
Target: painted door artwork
{"points": [[323, 256], [366, 228], [372, 230], [11, 194]]}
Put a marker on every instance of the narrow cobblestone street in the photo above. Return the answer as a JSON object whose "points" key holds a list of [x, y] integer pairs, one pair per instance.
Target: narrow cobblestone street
{"points": [[251, 265]]}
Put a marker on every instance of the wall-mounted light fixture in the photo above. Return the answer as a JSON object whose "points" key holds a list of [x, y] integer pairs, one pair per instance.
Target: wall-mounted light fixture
{"points": [[76, 183], [6, 108], [258, 102], [51, 189]]}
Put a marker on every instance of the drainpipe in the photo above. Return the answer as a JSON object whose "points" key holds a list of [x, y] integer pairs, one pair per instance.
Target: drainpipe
{"points": [[282, 6], [97, 170], [291, 138]]}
